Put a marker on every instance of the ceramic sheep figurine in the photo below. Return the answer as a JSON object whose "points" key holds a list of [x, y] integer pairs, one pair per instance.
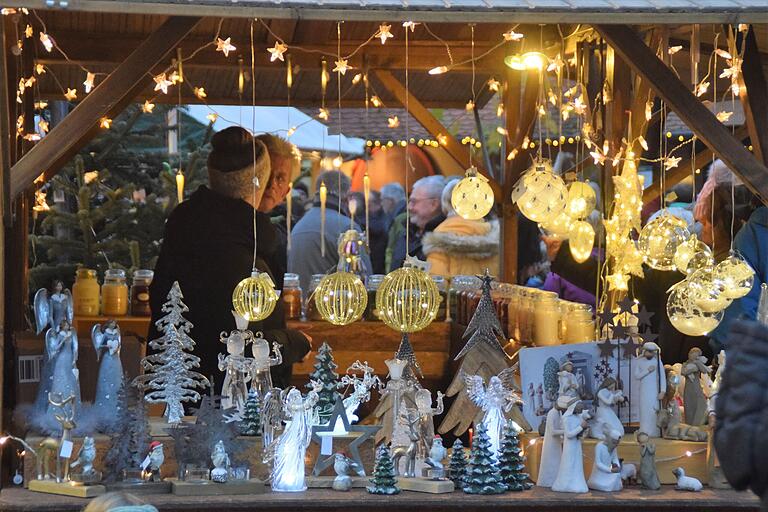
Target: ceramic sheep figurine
{"points": [[686, 483]]}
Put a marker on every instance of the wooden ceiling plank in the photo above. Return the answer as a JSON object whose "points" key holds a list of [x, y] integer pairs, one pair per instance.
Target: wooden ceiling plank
{"points": [[107, 99], [754, 97], [680, 99]]}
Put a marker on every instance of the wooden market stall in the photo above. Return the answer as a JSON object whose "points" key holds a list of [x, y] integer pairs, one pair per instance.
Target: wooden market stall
{"points": [[624, 51]]}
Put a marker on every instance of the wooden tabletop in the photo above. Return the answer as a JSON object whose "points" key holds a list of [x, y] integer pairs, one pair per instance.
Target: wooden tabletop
{"points": [[537, 499]]}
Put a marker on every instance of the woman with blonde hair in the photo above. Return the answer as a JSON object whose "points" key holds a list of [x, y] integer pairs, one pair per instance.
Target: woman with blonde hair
{"points": [[118, 502]]}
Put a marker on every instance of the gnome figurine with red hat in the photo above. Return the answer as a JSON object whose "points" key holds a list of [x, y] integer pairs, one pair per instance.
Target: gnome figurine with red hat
{"points": [[156, 458]]}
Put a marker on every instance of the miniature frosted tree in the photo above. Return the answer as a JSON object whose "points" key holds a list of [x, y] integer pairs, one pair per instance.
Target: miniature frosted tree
{"points": [[512, 461], [458, 463], [383, 480], [131, 438], [551, 382], [251, 422], [325, 374], [169, 376], [483, 473]]}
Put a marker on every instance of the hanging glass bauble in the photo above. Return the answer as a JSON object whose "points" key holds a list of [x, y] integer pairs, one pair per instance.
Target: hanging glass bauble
{"points": [[407, 299], [660, 238], [686, 316], [472, 197], [540, 194], [559, 227], [581, 199], [736, 275], [255, 297], [581, 240], [707, 292], [340, 298], [692, 255]]}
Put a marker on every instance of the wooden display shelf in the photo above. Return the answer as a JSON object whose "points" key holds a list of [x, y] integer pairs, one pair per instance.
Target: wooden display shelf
{"points": [[537, 499], [132, 325]]}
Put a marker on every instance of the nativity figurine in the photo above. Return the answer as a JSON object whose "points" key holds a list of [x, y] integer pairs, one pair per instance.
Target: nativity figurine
{"points": [[648, 372], [606, 468], [608, 396], [570, 474], [694, 400]]}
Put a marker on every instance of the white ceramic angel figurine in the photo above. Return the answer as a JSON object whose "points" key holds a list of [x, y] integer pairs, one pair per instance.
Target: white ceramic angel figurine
{"points": [[61, 346], [261, 379], [290, 448], [107, 342], [552, 447], [570, 474], [495, 399], [361, 388], [607, 397], [220, 460], [648, 371], [606, 468], [569, 385], [694, 401], [236, 367], [51, 310]]}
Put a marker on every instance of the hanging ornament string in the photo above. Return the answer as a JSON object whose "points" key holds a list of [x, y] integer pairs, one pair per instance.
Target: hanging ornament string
{"points": [[474, 92], [179, 172], [341, 67], [407, 150], [253, 143]]}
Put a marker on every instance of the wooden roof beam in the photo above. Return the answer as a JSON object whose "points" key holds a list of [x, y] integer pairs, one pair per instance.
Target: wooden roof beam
{"points": [[754, 96], [694, 114], [107, 99]]}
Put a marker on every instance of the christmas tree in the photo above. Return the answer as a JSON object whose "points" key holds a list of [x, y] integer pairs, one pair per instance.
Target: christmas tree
{"points": [[512, 462], [458, 463], [483, 473], [130, 439], [383, 480], [250, 425], [325, 374], [484, 326], [169, 376]]}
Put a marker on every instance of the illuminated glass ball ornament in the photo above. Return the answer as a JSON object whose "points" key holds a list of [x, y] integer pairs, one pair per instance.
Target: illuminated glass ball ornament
{"points": [[581, 240], [660, 238], [686, 316], [255, 297], [472, 197], [407, 299], [540, 194], [736, 275], [559, 227], [692, 255], [341, 298], [581, 199], [707, 291]]}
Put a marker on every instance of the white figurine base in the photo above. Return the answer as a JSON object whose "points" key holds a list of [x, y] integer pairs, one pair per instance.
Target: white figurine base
{"points": [[326, 482], [209, 488], [425, 485], [141, 487], [67, 488]]}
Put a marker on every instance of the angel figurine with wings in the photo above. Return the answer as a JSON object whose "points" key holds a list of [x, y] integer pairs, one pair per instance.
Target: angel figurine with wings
{"points": [[495, 400], [52, 309], [64, 378], [107, 342]]}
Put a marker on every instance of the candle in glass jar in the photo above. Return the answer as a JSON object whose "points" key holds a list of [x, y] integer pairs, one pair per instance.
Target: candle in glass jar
{"points": [[546, 318]]}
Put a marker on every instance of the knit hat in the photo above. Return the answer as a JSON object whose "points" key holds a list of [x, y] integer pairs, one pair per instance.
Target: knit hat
{"points": [[230, 170]]}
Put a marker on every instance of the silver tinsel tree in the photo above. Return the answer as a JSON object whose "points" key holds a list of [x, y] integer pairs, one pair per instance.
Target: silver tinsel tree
{"points": [[169, 376]]}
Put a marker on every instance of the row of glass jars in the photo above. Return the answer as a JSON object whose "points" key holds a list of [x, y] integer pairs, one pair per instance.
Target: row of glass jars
{"points": [[113, 298]]}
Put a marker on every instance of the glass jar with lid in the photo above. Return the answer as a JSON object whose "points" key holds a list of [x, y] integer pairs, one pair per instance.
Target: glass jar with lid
{"points": [[312, 312], [442, 287], [140, 292], [291, 296], [114, 293], [372, 284], [85, 293], [579, 325], [546, 319]]}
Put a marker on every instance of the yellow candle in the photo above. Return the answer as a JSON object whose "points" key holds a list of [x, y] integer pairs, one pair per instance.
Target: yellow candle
{"points": [[323, 195]]}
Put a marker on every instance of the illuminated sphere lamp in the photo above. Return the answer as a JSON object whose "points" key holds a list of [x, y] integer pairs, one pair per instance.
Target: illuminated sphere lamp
{"points": [[581, 240], [581, 199], [707, 291], [660, 238], [341, 298], [736, 275], [692, 255], [558, 228], [255, 297], [472, 197], [686, 316], [528, 60], [407, 299], [540, 194]]}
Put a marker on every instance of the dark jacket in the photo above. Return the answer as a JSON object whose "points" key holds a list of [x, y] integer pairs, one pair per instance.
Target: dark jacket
{"points": [[397, 241], [377, 230], [741, 408], [208, 249]]}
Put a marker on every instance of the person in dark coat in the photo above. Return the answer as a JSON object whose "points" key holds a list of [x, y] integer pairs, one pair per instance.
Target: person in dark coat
{"points": [[208, 249], [377, 227]]}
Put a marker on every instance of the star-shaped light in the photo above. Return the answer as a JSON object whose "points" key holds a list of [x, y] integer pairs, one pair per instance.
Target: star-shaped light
{"points": [[500, 109], [643, 142], [702, 88], [470, 105], [393, 122], [618, 282], [323, 113], [71, 94], [174, 77], [579, 106], [410, 25], [671, 162], [43, 124], [511, 35], [356, 79], [148, 107], [384, 32], [32, 137], [162, 83], [494, 85], [722, 53], [212, 117], [88, 84], [597, 156], [225, 46], [556, 64], [723, 116], [105, 123], [40, 105], [277, 51], [200, 92], [29, 31], [47, 41], [648, 110], [39, 69], [376, 101], [341, 66], [674, 49]]}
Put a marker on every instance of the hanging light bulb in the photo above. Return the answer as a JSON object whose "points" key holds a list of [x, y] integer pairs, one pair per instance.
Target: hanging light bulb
{"points": [[692, 255], [660, 238], [472, 197], [686, 316], [736, 275], [707, 292], [559, 227], [581, 199], [341, 297], [540, 194], [408, 298], [180, 186], [255, 297], [581, 240]]}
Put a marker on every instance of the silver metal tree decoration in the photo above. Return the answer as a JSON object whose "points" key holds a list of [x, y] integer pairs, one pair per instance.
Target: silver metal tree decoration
{"points": [[169, 376]]}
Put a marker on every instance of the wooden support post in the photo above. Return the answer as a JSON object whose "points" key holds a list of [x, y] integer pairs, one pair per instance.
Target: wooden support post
{"points": [[693, 113], [432, 125], [754, 97], [107, 99]]}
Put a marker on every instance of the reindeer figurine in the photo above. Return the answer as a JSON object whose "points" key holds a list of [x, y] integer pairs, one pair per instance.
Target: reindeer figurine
{"points": [[67, 422], [412, 420], [361, 388]]}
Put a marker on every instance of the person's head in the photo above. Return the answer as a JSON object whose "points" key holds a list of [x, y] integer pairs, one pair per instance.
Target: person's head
{"points": [[650, 350], [285, 161], [641, 437], [374, 202], [300, 191], [235, 159], [694, 354], [612, 438], [717, 210], [445, 198], [684, 192], [392, 194], [567, 366], [118, 502], [359, 206], [57, 286], [609, 384], [336, 183], [424, 202]]}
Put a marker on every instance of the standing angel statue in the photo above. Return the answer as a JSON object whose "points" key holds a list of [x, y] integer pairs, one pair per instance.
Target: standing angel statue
{"points": [[261, 379], [361, 388], [287, 454], [52, 309], [568, 384], [107, 342], [495, 399], [64, 380], [236, 367]]}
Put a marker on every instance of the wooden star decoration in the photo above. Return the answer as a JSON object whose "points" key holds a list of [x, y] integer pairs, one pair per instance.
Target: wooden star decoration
{"points": [[626, 305], [619, 331], [277, 51], [384, 32], [225, 46], [606, 317], [606, 348], [629, 348], [339, 415], [644, 317], [341, 66]]}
